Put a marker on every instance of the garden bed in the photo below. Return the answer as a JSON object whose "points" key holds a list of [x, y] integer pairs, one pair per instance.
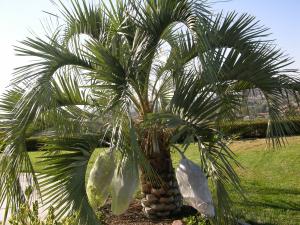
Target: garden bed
{"points": [[135, 216]]}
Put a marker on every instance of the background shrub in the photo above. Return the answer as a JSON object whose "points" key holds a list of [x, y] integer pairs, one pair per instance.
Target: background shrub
{"points": [[29, 215], [255, 128], [242, 129]]}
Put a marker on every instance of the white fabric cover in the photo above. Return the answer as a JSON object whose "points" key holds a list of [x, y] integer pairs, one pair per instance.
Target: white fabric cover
{"points": [[124, 184], [100, 178], [194, 187]]}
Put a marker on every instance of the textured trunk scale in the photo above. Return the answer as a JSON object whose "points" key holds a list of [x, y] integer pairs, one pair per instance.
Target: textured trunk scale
{"points": [[163, 199]]}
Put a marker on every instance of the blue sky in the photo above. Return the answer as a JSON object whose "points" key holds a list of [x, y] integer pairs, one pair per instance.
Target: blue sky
{"points": [[281, 16], [18, 17]]}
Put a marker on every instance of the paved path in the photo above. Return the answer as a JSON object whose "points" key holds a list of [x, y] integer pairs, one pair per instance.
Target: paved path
{"points": [[24, 184]]}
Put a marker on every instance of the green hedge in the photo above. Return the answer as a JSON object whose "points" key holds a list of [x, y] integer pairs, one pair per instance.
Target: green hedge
{"points": [[255, 128], [241, 129], [34, 143], [247, 129]]}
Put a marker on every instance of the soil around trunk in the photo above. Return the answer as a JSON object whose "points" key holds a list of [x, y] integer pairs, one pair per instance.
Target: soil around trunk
{"points": [[135, 216]]}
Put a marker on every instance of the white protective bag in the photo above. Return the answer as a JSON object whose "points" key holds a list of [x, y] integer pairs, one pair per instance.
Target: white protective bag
{"points": [[194, 187], [124, 184], [100, 179]]}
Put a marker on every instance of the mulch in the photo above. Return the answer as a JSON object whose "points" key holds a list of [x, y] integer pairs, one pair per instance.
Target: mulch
{"points": [[135, 216]]}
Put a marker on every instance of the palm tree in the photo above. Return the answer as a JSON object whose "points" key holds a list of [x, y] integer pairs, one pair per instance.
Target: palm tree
{"points": [[146, 78]]}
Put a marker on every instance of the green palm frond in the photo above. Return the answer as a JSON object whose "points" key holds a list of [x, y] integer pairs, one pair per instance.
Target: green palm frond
{"points": [[63, 179], [126, 72], [246, 62], [218, 162], [235, 31]]}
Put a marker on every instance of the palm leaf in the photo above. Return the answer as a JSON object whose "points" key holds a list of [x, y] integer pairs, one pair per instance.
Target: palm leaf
{"points": [[63, 179]]}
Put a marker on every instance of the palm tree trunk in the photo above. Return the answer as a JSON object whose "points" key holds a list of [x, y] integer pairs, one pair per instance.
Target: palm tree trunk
{"points": [[161, 199]]}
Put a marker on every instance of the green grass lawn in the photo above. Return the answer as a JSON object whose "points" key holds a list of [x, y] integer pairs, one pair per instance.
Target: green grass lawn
{"points": [[270, 178]]}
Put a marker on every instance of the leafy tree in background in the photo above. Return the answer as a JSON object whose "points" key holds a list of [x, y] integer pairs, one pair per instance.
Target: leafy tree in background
{"points": [[141, 76]]}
